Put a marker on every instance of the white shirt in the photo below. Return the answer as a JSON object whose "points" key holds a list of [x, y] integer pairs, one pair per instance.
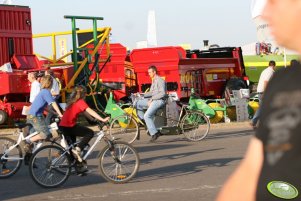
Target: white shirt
{"points": [[265, 76], [55, 87], [34, 90]]}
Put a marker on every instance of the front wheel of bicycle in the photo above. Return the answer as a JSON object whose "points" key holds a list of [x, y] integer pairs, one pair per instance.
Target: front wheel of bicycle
{"points": [[50, 166], [10, 162], [195, 126], [119, 163], [124, 128]]}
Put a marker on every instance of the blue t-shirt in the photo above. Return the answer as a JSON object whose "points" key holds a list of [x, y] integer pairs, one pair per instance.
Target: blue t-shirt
{"points": [[40, 102]]}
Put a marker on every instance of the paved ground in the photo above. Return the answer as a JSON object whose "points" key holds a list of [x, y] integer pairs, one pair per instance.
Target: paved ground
{"points": [[171, 169]]}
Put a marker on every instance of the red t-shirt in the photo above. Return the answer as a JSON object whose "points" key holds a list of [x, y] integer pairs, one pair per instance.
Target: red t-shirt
{"points": [[72, 112]]}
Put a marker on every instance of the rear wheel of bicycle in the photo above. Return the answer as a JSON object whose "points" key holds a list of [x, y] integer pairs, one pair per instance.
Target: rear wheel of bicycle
{"points": [[50, 166], [195, 126], [10, 162], [120, 163], [124, 128]]}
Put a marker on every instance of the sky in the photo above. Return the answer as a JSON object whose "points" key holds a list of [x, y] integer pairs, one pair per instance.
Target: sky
{"points": [[222, 22]]}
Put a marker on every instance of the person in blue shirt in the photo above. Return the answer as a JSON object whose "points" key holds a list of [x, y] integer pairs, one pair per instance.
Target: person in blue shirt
{"points": [[35, 115]]}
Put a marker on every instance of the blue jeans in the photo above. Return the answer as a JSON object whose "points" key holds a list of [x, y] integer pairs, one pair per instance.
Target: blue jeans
{"points": [[39, 125], [148, 116], [258, 111]]}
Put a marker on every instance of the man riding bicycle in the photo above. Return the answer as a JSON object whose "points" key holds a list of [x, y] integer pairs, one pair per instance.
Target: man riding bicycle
{"points": [[153, 100]]}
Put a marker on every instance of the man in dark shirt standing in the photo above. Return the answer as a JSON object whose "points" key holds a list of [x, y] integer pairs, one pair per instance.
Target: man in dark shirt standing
{"points": [[153, 100], [271, 167]]}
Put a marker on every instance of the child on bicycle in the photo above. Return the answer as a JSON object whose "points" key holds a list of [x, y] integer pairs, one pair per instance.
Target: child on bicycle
{"points": [[76, 105], [35, 116]]}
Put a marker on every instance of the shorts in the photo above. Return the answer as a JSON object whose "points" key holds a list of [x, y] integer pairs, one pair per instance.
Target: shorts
{"points": [[39, 125]]}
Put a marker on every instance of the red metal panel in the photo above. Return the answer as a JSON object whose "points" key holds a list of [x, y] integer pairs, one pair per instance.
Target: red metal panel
{"points": [[14, 83], [166, 59], [15, 25]]}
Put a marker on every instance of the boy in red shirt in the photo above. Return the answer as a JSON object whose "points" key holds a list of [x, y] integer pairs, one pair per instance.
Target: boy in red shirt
{"points": [[75, 106]]}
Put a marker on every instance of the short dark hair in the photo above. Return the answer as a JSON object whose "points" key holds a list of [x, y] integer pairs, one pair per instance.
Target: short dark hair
{"points": [[154, 68], [272, 63]]}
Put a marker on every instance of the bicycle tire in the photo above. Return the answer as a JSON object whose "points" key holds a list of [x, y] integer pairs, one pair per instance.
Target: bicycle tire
{"points": [[195, 126], [124, 167], [48, 163], [9, 167], [124, 128]]}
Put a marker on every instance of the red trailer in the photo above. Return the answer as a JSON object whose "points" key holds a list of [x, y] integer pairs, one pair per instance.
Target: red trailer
{"points": [[166, 59], [17, 54], [118, 73], [16, 49], [208, 72]]}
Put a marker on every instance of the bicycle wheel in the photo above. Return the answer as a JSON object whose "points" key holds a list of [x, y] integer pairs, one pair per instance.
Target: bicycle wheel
{"points": [[11, 161], [195, 126], [120, 163], [50, 166], [124, 128]]}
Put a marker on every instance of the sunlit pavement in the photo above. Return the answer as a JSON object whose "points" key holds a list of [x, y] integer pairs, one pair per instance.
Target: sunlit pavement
{"points": [[172, 168]]}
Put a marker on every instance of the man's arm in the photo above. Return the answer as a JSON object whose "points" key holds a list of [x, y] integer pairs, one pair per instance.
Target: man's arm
{"points": [[244, 179]]}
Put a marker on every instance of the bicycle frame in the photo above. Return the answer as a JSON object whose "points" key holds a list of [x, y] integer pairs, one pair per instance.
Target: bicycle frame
{"points": [[99, 136], [20, 139], [134, 105]]}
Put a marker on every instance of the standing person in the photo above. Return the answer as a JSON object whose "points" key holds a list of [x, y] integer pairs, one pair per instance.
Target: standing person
{"points": [[271, 166], [35, 116], [153, 100], [264, 78], [34, 91], [76, 105], [35, 86], [55, 92]]}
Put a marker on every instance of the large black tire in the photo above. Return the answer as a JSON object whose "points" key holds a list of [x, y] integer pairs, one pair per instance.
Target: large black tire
{"points": [[119, 164], [8, 167], [235, 83], [3, 117], [49, 167]]}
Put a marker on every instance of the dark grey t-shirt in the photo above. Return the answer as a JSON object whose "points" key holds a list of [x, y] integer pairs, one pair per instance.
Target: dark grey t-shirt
{"points": [[280, 132]]}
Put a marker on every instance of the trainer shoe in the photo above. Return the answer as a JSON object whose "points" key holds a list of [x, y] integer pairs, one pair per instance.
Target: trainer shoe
{"points": [[77, 154], [155, 137]]}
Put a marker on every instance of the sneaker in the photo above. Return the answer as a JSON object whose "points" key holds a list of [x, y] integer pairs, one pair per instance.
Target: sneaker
{"points": [[77, 154], [253, 126], [81, 169], [28, 147], [155, 137]]}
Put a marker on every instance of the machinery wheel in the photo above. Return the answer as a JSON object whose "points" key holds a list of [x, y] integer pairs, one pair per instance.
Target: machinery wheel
{"points": [[11, 161], [3, 117], [119, 163], [124, 128], [235, 84], [195, 126]]}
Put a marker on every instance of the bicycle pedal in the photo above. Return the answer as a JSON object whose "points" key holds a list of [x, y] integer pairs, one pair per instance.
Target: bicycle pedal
{"points": [[82, 174]]}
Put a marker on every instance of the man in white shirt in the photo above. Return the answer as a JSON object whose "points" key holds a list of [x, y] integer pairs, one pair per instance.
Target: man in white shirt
{"points": [[264, 78], [35, 86], [55, 92]]}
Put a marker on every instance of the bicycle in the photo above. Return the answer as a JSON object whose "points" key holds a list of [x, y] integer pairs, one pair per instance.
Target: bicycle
{"points": [[50, 166], [11, 155], [192, 123]]}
